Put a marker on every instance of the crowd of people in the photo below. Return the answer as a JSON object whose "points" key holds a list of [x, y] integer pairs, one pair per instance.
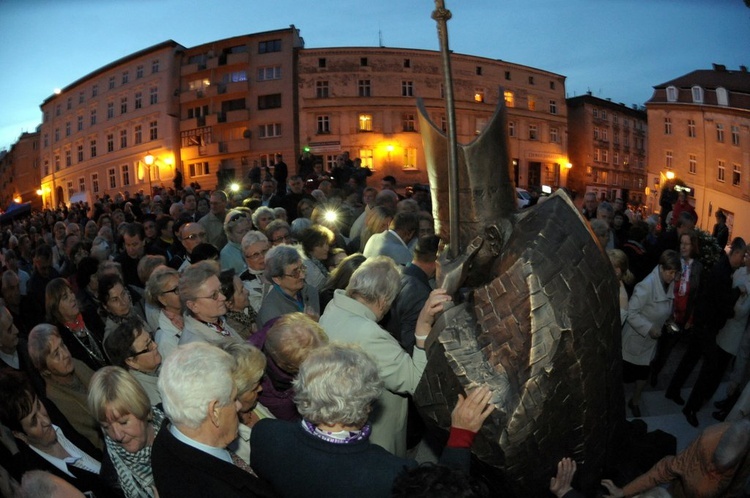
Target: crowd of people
{"points": [[259, 343]]}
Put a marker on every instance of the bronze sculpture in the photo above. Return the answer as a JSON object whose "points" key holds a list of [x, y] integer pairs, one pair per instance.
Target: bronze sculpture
{"points": [[539, 320]]}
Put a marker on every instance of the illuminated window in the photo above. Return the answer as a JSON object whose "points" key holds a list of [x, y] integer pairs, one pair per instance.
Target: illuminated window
{"points": [[199, 84], [479, 95], [410, 158], [509, 98], [366, 156], [365, 122], [532, 103]]}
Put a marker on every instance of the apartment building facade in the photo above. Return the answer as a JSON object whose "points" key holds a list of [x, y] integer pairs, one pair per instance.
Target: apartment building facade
{"points": [[363, 101], [607, 148], [19, 172], [97, 132], [700, 135]]}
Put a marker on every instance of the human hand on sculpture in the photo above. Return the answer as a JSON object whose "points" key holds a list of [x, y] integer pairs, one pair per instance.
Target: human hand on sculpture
{"points": [[614, 491], [560, 484], [452, 274], [472, 410], [434, 305]]}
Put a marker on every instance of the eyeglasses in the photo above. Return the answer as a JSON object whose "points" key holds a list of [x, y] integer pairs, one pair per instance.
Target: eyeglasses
{"points": [[285, 238], [124, 297], [256, 255], [214, 296], [193, 236], [147, 349], [176, 291], [236, 217], [297, 272]]}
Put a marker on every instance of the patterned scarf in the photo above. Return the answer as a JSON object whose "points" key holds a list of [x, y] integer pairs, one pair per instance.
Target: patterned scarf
{"points": [[341, 437], [134, 469]]}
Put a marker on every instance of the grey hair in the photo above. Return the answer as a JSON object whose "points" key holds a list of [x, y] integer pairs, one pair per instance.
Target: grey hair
{"points": [[38, 483], [278, 258], [252, 237], [377, 279], [250, 364], [262, 210], [337, 383], [229, 226], [278, 212], [298, 226], [191, 378], [155, 284], [38, 343], [193, 277]]}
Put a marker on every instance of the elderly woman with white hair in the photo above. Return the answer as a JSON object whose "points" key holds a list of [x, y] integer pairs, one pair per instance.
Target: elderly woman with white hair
{"points": [[262, 217], [189, 457], [162, 291], [286, 270], [255, 245], [236, 224], [331, 452], [353, 316], [205, 305]]}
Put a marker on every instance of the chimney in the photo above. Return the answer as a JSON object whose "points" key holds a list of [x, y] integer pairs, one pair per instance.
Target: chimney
{"points": [[719, 67]]}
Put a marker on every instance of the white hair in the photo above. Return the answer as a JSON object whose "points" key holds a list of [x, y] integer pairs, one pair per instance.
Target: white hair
{"points": [[251, 238], [378, 278], [191, 378]]}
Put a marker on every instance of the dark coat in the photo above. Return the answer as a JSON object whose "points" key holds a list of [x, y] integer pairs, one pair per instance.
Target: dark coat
{"points": [[181, 471], [402, 320]]}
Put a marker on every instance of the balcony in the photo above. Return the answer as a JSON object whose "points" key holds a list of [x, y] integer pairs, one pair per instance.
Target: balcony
{"points": [[192, 123], [235, 87], [238, 115], [234, 146], [241, 58]]}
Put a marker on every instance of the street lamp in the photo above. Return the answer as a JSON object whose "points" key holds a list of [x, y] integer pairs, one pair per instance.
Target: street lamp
{"points": [[149, 160], [670, 175]]}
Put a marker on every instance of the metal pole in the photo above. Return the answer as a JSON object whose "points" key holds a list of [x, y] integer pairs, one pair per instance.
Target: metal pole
{"points": [[441, 15]]}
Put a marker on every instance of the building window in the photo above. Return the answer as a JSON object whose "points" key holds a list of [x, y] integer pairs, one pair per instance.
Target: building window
{"points": [[510, 100], [112, 178], [671, 94], [554, 134], [201, 84], [153, 95], [265, 47], [479, 125], [69, 184], [735, 135], [531, 80], [123, 105], [551, 85], [269, 130], [138, 100], [199, 169], [479, 95], [720, 171], [95, 183], [553, 107], [605, 135], [92, 148], [82, 184], [365, 122], [125, 171], [271, 101], [722, 98], [235, 77], [605, 156], [511, 128], [533, 132], [57, 162], [79, 153], [57, 134], [69, 104], [45, 140], [153, 130], [366, 156], [92, 119], [603, 114], [692, 164], [110, 142], [532, 102], [363, 61], [410, 158], [95, 90], [138, 134], [79, 126], [667, 126], [407, 88], [321, 89], [139, 72], [154, 66], [697, 94], [67, 128], [123, 138], [269, 73], [616, 158], [408, 122], [111, 85], [80, 97], [322, 62], [323, 124], [125, 77], [407, 63], [507, 75], [597, 133], [595, 112], [736, 175], [668, 159], [596, 155], [110, 110], [68, 158], [719, 132], [691, 128], [363, 88]]}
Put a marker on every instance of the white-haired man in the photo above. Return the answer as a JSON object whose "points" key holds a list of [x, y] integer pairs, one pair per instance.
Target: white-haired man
{"points": [[189, 457]]}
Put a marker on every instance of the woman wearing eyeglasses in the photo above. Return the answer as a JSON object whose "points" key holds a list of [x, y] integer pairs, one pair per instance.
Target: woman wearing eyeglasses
{"points": [[131, 347], [255, 246], [117, 304], [236, 225], [205, 305], [289, 293], [162, 291], [63, 312]]}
